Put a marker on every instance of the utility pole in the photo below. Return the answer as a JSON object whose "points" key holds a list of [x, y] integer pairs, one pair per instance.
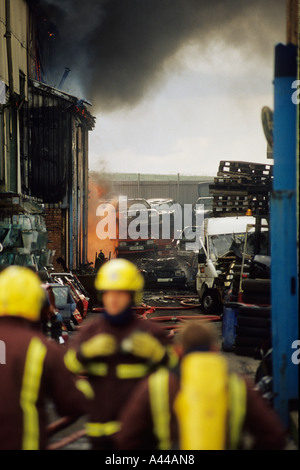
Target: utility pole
{"points": [[284, 223]]}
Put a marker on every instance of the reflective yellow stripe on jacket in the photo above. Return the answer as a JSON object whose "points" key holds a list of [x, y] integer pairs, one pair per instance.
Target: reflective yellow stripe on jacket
{"points": [[102, 429], [131, 371], [72, 363], [85, 387], [30, 391], [159, 402], [100, 369], [237, 409]]}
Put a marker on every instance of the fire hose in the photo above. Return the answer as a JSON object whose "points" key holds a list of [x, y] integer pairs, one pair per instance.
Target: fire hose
{"points": [[146, 310], [142, 309], [185, 317], [67, 440], [59, 425]]}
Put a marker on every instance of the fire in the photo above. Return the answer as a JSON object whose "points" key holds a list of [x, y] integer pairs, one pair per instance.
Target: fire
{"points": [[97, 193]]}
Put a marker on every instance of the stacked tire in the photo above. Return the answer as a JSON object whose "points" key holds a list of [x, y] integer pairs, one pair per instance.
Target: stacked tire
{"points": [[253, 330], [256, 291]]}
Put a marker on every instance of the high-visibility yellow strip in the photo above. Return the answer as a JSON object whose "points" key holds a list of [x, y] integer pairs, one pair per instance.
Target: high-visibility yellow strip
{"points": [[173, 359], [131, 371], [97, 368], [159, 401], [102, 429], [29, 393], [85, 387], [237, 409], [72, 363]]}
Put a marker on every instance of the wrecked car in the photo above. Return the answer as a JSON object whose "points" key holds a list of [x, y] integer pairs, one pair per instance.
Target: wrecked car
{"points": [[166, 271]]}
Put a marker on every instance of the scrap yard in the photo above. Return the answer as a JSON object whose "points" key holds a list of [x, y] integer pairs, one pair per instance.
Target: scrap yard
{"points": [[149, 226]]}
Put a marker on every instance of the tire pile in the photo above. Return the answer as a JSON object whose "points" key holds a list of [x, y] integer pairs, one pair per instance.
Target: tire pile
{"points": [[253, 330], [247, 322]]}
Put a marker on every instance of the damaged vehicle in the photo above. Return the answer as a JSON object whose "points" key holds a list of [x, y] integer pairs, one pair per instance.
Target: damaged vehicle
{"points": [[144, 222], [52, 322], [188, 238], [66, 306], [221, 245], [165, 271], [203, 208], [166, 211], [79, 293]]}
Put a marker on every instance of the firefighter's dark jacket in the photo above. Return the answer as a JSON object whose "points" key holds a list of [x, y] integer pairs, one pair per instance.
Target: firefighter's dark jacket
{"points": [[149, 421], [113, 378], [33, 374]]}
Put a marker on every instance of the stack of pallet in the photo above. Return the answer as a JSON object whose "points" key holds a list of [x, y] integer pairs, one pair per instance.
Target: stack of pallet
{"points": [[240, 186]]}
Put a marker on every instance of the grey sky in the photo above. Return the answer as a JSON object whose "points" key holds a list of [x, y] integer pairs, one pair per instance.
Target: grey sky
{"points": [[207, 109], [176, 85]]}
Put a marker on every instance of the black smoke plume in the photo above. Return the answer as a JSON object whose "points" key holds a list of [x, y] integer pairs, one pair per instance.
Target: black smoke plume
{"points": [[118, 50]]}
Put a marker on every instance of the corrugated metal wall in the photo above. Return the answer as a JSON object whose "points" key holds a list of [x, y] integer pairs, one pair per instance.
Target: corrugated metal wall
{"points": [[183, 192]]}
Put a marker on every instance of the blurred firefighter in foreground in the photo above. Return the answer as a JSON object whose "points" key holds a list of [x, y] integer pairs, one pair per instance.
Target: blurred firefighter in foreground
{"points": [[117, 350], [34, 371], [202, 406]]}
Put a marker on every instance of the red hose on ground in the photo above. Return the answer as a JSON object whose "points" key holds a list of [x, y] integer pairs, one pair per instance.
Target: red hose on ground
{"points": [[185, 317], [58, 425], [178, 307], [67, 440], [177, 297], [140, 309], [145, 310], [148, 307]]}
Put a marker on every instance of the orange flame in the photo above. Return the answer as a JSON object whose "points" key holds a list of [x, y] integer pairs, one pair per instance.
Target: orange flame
{"points": [[97, 193]]}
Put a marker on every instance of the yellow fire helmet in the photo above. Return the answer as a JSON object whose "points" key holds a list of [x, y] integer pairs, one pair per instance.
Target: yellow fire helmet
{"points": [[21, 294], [120, 274]]}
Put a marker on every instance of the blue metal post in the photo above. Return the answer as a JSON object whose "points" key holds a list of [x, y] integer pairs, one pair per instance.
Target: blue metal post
{"points": [[284, 251]]}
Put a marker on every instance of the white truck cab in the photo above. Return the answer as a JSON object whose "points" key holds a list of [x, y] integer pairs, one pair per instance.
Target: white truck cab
{"points": [[218, 236]]}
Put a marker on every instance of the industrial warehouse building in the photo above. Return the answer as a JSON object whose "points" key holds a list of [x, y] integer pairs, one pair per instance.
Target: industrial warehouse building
{"points": [[43, 149]]}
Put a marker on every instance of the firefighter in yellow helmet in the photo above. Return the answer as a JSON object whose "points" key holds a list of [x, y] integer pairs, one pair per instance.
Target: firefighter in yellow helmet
{"points": [[117, 350], [31, 367]]}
